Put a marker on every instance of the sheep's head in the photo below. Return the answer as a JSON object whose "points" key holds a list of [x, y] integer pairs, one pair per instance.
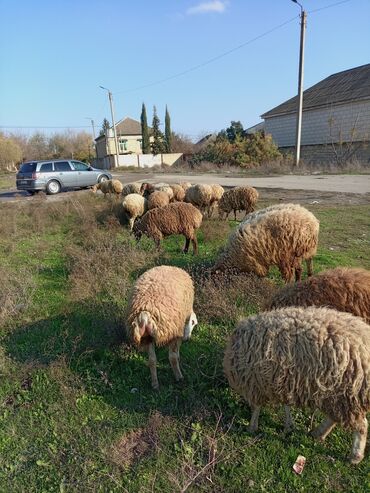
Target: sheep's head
{"points": [[136, 231], [189, 326]]}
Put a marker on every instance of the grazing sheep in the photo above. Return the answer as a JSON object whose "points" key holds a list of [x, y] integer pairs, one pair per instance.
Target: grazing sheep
{"points": [[346, 290], [160, 313], [178, 193], [109, 186], [164, 187], [158, 199], [305, 357], [200, 196], [238, 199], [146, 189], [173, 219], [185, 185], [217, 193], [131, 188], [134, 205], [282, 236]]}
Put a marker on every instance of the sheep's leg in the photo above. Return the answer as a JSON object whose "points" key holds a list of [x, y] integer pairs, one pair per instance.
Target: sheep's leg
{"points": [[359, 442], [187, 243], [309, 264], [174, 357], [234, 214], [288, 420], [286, 271], [323, 429], [195, 244], [131, 222], [153, 365], [253, 424], [298, 272]]}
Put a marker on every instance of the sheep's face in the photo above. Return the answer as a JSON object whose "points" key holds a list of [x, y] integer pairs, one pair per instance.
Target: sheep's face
{"points": [[189, 326]]}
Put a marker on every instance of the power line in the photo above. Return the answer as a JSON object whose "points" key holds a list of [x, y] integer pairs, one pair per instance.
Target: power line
{"points": [[327, 6]]}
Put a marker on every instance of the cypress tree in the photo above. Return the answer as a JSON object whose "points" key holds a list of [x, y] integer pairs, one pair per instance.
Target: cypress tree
{"points": [[158, 143], [105, 126], [144, 131], [167, 131]]}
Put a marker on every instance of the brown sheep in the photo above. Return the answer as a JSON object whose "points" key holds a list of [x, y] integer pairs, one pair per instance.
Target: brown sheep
{"points": [[238, 199], [345, 289], [178, 193], [158, 199], [177, 218], [109, 186]]}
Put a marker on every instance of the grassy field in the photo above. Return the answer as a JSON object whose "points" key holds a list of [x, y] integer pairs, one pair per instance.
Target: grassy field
{"points": [[77, 410]]}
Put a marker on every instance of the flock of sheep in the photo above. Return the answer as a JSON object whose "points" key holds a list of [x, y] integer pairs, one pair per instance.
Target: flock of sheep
{"points": [[310, 347]]}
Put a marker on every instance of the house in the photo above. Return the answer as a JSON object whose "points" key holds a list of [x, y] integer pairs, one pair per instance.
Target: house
{"points": [[130, 149], [335, 119]]}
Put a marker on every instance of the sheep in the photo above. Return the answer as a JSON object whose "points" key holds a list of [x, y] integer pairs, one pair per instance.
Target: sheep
{"points": [[158, 199], [146, 189], [160, 313], [178, 193], [164, 187], [134, 205], [238, 199], [217, 193], [108, 186], [131, 188], [346, 290], [185, 185], [177, 218], [200, 196], [308, 357], [281, 235]]}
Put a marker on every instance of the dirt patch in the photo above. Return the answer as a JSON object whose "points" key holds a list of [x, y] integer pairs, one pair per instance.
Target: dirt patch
{"points": [[312, 197], [140, 443]]}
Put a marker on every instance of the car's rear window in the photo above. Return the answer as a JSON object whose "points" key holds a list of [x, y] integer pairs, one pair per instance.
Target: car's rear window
{"points": [[46, 167], [28, 168], [62, 166]]}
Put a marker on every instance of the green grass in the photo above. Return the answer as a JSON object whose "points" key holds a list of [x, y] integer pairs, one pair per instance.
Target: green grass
{"points": [[72, 393], [7, 180]]}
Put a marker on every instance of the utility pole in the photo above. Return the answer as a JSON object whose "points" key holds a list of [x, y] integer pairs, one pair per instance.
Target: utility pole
{"points": [[303, 17], [92, 125], [114, 124]]}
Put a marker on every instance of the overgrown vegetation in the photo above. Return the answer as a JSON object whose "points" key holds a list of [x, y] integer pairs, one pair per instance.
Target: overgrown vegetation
{"points": [[77, 409]]}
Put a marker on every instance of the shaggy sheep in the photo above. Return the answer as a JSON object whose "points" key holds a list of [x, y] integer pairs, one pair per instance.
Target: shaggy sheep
{"points": [[163, 187], [173, 219], [346, 290], [178, 193], [109, 186], [146, 189], [282, 236], [158, 199], [238, 199], [131, 188], [160, 313], [306, 357], [217, 193], [185, 185], [134, 205], [200, 196]]}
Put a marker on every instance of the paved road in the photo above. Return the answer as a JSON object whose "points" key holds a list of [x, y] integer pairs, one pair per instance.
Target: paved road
{"points": [[359, 184]]}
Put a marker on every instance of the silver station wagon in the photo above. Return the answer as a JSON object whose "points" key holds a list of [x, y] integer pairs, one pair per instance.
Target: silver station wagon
{"points": [[53, 175]]}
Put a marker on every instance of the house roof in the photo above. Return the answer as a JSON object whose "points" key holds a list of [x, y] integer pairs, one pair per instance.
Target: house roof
{"points": [[347, 86], [128, 126]]}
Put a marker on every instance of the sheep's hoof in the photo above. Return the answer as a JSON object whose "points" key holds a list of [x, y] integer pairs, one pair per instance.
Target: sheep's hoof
{"points": [[253, 430], [155, 387], [355, 459]]}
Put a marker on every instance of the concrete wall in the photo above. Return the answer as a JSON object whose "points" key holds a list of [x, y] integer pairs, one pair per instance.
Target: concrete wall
{"points": [[340, 123], [138, 160], [335, 154]]}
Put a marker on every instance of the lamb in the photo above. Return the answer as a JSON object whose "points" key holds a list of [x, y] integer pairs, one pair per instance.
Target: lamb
{"points": [[281, 235], [178, 218], [160, 313], [109, 186], [134, 205], [308, 357], [200, 196], [346, 290], [217, 193], [238, 199], [131, 188], [178, 193], [158, 199]]}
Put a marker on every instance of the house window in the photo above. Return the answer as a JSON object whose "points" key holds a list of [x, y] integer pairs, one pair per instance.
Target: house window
{"points": [[140, 143], [122, 144]]}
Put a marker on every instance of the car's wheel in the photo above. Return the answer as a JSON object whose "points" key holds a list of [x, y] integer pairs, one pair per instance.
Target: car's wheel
{"points": [[103, 178], [53, 187]]}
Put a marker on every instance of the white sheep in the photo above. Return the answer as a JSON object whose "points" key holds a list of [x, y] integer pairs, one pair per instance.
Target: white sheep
{"points": [[200, 196], [134, 205], [131, 188], [307, 357], [160, 313]]}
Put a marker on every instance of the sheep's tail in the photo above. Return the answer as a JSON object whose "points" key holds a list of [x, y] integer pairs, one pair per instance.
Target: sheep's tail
{"points": [[309, 264], [143, 326]]}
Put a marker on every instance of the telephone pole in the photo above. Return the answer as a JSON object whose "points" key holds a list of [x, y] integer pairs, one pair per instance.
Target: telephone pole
{"points": [[114, 125], [92, 125], [303, 17]]}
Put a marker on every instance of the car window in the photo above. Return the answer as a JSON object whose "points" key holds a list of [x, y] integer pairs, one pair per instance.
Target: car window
{"points": [[79, 166], [46, 167], [28, 168], [62, 166]]}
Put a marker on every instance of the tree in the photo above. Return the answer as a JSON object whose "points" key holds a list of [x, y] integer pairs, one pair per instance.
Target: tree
{"points": [[181, 143], [105, 126], [235, 130], [10, 153], [158, 137], [37, 147], [167, 132], [144, 131]]}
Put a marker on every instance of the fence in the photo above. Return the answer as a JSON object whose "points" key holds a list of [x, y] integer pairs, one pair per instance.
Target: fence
{"points": [[138, 160]]}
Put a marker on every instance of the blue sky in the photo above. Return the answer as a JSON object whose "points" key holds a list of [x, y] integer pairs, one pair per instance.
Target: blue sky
{"points": [[55, 54]]}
